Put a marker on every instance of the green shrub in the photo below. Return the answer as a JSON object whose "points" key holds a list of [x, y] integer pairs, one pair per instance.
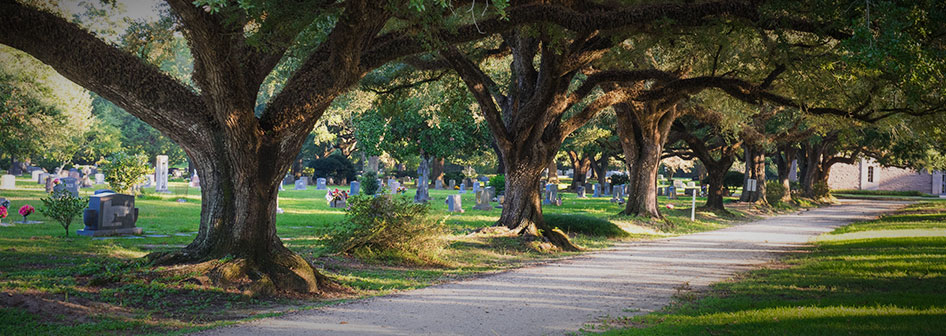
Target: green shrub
{"points": [[62, 207], [124, 171], [774, 191], [388, 228], [369, 183], [733, 180], [456, 176], [498, 182], [335, 166], [820, 190], [619, 179], [587, 225]]}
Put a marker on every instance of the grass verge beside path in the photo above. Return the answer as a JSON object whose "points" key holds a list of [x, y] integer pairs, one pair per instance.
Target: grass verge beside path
{"points": [[880, 277], [51, 284]]}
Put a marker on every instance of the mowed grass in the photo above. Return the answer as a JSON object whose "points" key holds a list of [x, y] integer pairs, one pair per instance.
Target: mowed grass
{"points": [[880, 277], [52, 284]]}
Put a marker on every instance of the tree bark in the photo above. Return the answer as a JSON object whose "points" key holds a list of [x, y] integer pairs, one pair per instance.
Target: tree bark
{"points": [[501, 166], [522, 207], [755, 169], [784, 157], [580, 166], [436, 170]]}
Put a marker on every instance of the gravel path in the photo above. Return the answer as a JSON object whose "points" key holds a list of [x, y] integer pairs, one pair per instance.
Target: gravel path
{"points": [[561, 297]]}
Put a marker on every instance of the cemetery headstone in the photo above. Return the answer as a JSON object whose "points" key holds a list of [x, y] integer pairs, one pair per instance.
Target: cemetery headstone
{"points": [[482, 200], [8, 182], [463, 187], [69, 184], [422, 195], [660, 177], [320, 184], [42, 178], [618, 194], [50, 183], [99, 179], [86, 181], [454, 203], [660, 191], [581, 192], [691, 184], [161, 174], [671, 192], [35, 175], [606, 188], [597, 190], [289, 179], [551, 194], [678, 184], [354, 188], [491, 191], [394, 185], [476, 187], [438, 184], [301, 184], [110, 214], [195, 181], [452, 184]]}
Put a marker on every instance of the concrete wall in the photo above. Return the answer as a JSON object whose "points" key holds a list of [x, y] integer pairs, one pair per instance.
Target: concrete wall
{"points": [[846, 176]]}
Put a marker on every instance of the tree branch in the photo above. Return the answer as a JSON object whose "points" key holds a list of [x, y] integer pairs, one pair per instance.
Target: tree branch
{"points": [[139, 88]]}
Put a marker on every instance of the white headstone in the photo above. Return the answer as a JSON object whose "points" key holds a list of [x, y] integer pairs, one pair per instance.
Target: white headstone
{"points": [[482, 200], [195, 181], [8, 182], [454, 203], [99, 178], [161, 173], [35, 175], [691, 184]]}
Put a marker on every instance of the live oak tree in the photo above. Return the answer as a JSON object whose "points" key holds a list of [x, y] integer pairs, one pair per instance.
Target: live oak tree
{"points": [[707, 138], [241, 155], [531, 113]]}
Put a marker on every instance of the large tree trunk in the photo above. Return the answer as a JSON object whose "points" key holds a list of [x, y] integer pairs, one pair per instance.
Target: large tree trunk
{"points": [[643, 130], [553, 172], [755, 170], [783, 160], [436, 170], [522, 207], [716, 189], [580, 166], [240, 174]]}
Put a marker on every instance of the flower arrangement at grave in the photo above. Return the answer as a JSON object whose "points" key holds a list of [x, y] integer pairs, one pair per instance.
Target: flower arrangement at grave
{"points": [[456, 187], [401, 190], [56, 181], [26, 210], [336, 198], [670, 206], [3, 212]]}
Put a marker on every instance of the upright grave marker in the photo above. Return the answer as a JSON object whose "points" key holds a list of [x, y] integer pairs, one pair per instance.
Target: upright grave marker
{"points": [[161, 174], [110, 214]]}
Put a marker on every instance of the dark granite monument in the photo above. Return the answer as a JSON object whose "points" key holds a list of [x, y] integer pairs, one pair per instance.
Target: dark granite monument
{"points": [[110, 214]]}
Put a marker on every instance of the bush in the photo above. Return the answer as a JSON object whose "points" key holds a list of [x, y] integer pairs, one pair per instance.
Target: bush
{"points": [[456, 176], [498, 182], [125, 171], [619, 179], [586, 225], [774, 191], [820, 190], [369, 183], [733, 180], [62, 207], [388, 228], [335, 166]]}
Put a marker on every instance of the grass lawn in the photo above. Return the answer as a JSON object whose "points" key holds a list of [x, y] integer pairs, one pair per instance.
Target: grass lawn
{"points": [[880, 277], [51, 284]]}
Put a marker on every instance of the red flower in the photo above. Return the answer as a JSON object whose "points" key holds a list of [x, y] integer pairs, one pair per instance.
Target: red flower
{"points": [[3, 212], [26, 210]]}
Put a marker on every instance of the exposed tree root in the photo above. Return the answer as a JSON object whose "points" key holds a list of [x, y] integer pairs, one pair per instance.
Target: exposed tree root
{"points": [[283, 274]]}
